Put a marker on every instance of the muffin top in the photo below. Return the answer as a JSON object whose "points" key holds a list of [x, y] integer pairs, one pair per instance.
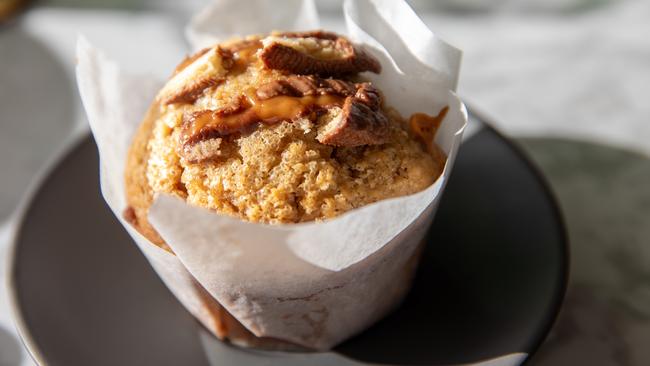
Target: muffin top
{"points": [[283, 128]]}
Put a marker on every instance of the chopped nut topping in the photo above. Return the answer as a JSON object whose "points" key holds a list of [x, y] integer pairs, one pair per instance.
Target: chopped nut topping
{"points": [[360, 121], [308, 89], [188, 60], [331, 55], [299, 86], [208, 69], [193, 128], [193, 91], [357, 118]]}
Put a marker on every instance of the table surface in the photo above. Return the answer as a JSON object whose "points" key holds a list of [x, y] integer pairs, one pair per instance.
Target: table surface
{"points": [[569, 81]]}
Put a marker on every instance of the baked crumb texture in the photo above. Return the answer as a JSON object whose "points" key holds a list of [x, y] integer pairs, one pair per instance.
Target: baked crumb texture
{"points": [[281, 129]]}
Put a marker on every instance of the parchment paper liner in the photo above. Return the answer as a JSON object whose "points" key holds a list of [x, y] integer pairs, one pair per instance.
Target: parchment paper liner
{"points": [[312, 284]]}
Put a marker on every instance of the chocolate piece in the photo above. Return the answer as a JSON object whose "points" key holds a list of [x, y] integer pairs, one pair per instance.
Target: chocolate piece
{"points": [[360, 122], [353, 59], [299, 86]]}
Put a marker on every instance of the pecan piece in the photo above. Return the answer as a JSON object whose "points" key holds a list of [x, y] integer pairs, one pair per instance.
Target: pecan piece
{"points": [[188, 60], [292, 52], [200, 131], [359, 122], [201, 125], [207, 70]]}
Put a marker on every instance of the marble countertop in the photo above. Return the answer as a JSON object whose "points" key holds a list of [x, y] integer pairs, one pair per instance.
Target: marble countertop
{"points": [[571, 87]]}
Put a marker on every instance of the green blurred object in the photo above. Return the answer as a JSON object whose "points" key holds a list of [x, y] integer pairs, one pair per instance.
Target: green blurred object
{"points": [[604, 194]]}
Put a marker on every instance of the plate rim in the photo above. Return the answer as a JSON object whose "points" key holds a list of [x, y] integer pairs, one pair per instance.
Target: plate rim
{"points": [[16, 221], [75, 143], [560, 294]]}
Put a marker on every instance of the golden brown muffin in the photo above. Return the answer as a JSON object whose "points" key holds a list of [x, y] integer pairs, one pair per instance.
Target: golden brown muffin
{"points": [[276, 129]]}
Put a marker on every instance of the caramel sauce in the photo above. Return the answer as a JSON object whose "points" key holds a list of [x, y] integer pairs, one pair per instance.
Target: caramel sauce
{"points": [[250, 109], [289, 108], [244, 55], [269, 111], [425, 127]]}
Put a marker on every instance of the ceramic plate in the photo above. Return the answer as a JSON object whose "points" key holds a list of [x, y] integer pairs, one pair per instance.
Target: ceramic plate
{"points": [[489, 285]]}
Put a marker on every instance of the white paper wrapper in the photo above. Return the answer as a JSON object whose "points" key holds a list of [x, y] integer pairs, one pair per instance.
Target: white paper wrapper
{"points": [[312, 284]]}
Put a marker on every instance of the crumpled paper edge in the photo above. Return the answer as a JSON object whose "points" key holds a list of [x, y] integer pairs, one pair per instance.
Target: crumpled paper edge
{"points": [[119, 150]]}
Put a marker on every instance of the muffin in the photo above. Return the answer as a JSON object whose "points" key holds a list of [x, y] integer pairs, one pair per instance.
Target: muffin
{"points": [[276, 129]]}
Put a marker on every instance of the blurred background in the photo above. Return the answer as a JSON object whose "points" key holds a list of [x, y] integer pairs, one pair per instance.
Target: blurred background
{"points": [[568, 80]]}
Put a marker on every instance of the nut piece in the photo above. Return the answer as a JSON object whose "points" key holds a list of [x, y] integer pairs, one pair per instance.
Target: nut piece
{"points": [[317, 52], [202, 125], [197, 73], [359, 122], [201, 131], [300, 86], [188, 60], [238, 45]]}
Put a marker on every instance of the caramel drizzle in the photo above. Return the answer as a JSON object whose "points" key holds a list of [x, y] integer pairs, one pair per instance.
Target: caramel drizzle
{"points": [[259, 108], [361, 122], [244, 52], [250, 110], [425, 127]]}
